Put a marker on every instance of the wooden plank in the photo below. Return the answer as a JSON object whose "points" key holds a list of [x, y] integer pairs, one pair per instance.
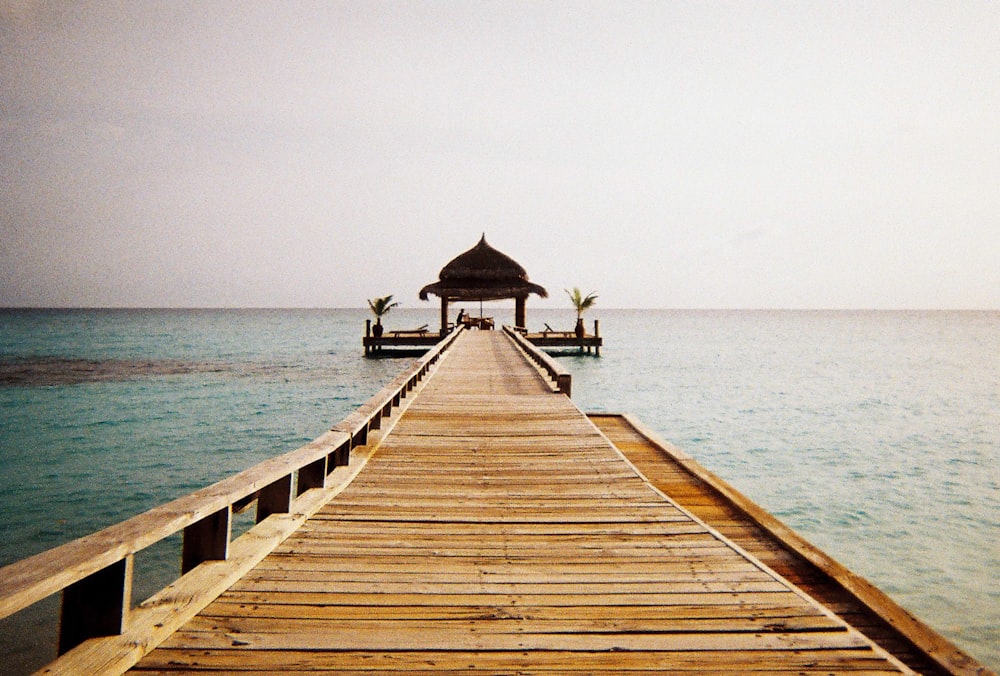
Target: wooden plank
{"points": [[507, 566], [497, 623], [382, 637], [608, 600], [227, 608], [174, 661]]}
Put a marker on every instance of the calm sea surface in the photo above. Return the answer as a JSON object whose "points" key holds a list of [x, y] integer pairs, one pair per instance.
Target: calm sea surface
{"points": [[876, 435]]}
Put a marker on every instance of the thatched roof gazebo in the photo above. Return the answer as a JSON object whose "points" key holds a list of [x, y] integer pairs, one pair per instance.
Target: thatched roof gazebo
{"points": [[482, 273]]}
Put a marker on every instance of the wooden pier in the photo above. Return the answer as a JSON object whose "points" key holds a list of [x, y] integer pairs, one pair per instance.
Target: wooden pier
{"points": [[392, 343], [470, 519], [568, 340]]}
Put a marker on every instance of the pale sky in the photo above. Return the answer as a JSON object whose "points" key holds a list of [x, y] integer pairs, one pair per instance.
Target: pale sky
{"points": [[665, 154]]}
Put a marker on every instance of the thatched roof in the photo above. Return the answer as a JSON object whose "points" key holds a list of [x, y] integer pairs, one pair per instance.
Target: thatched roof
{"points": [[482, 273]]}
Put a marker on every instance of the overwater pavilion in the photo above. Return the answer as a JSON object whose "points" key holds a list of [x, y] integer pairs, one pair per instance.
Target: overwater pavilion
{"points": [[482, 273]]}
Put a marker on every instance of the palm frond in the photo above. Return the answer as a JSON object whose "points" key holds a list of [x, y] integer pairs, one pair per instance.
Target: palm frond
{"points": [[381, 306], [580, 302]]}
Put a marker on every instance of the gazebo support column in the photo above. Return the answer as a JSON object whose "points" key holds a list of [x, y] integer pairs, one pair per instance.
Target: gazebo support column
{"points": [[519, 312], [444, 316]]}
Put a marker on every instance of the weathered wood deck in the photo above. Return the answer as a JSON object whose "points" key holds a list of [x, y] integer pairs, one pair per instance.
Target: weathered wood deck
{"points": [[495, 529], [470, 518], [406, 339], [393, 343], [722, 507], [568, 340]]}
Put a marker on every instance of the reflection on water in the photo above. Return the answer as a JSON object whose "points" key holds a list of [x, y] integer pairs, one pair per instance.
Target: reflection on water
{"points": [[48, 371], [29, 372]]}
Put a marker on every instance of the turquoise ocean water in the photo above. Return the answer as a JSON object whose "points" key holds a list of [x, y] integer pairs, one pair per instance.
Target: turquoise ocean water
{"points": [[876, 435]]}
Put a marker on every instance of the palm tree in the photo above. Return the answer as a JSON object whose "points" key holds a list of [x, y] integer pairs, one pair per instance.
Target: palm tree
{"points": [[582, 304], [380, 307]]}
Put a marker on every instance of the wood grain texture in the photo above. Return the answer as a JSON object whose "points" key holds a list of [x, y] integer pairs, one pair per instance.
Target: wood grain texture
{"points": [[760, 533], [496, 530]]}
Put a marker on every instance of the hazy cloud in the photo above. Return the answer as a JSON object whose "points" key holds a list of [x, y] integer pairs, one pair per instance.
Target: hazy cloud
{"points": [[666, 154]]}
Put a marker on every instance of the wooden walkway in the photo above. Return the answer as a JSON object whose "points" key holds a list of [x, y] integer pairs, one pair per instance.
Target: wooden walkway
{"points": [[722, 507], [495, 529]]}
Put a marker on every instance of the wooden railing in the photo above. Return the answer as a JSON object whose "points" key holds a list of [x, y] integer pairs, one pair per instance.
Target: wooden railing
{"points": [[556, 371], [94, 573]]}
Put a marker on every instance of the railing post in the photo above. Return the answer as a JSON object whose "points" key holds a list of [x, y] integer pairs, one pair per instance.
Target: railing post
{"points": [[565, 383], [275, 498], [97, 605], [207, 540], [341, 456], [312, 475]]}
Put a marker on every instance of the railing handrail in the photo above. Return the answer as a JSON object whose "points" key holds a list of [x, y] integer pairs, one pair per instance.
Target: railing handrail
{"points": [[32, 579], [29, 580], [560, 374]]}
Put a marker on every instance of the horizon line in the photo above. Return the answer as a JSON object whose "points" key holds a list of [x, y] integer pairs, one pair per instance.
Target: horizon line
{"points": [[435, 308]]}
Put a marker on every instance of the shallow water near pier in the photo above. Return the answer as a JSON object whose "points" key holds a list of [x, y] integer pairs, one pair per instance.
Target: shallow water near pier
{"points": [[876, 435]]}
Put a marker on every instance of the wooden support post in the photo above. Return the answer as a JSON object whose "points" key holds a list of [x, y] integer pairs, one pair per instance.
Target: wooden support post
{"points": [[339, 457], [444, 317], [275, 498], [207, 540], [597, 338], [520, 315], [564, 381], [375, 422], [312, 475], [97, 605], [368, 334]]}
